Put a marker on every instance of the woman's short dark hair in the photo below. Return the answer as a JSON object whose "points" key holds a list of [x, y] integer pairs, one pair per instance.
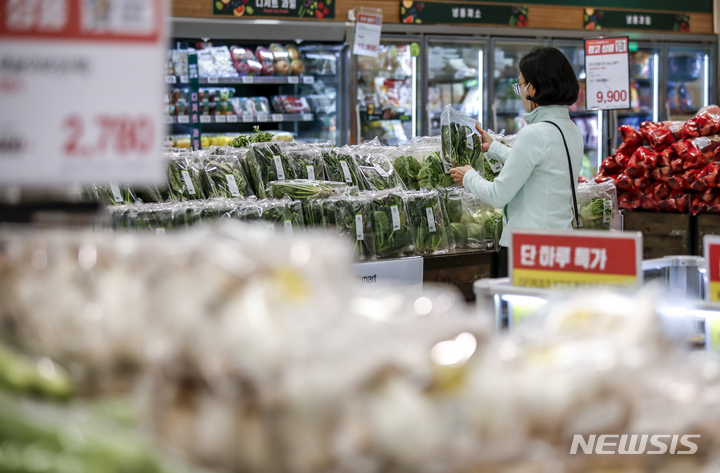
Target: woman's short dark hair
{"points": [[549, 71]]}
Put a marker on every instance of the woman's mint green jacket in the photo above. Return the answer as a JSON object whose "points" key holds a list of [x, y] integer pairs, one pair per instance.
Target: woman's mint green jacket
{"points": [[533, 187]]}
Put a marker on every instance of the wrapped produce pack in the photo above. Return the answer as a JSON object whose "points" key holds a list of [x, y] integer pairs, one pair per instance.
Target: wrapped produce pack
{"points": [[266, 162], [392, 228], [340, 166], [428, 222], [597, 204], [354, 220], [472, 223], [308, 162], [302, 189], [376, 171], [185, 178], [461, 143], [223, 175]]}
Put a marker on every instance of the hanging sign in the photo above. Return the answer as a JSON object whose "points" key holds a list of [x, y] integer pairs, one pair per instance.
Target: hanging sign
{"points": [[315, 9], [73, 107], [608, 74], [594, 19], [574, 259], [368, 28], [437, 12]]}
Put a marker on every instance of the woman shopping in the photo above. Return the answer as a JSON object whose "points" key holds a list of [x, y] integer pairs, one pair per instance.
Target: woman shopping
{"points": [[537, 184]]}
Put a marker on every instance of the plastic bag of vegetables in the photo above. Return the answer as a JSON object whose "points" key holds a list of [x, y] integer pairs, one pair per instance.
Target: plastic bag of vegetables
{"points": [[308, 162], [340, 166], [428, 222], [597, 204], [184, 178], [392, 227], [303, 189], [434, 173], [266, 162], [472, 223], [377, 172], [461, 143], [216, 209], [492, 167], [223, 176], [283, 215], [354, 220]]}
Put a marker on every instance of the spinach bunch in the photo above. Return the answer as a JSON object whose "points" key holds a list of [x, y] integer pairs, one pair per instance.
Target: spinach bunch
{"points": [[244, 141], [266, 162], [354, 221], [428, 222], [465, 231], [392, 228], [301, 189], [223, 176], [313, 214], [341, 167], [217, 209], [433, 174], [111, 194], [308, 162], [284, 214], [184, 180], [377, 172], [408, 169], [461, 146]]}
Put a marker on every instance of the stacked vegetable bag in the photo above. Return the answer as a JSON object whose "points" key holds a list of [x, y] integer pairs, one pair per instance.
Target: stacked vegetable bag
{"points": [[668, 166]]}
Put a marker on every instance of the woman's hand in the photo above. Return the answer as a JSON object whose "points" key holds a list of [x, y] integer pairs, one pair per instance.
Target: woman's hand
{"points": [[459, 173], [486, 140]]}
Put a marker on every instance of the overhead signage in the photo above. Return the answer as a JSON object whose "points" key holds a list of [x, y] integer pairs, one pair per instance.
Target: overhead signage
{"points": [[575, 259], [73, 107], [438, 12], [594, 19], [607, 70], [316, 9], [368, 28], [694, 6]]}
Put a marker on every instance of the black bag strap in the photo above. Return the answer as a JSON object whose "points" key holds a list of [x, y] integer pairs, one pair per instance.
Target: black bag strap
{"points": [[572, 177]]}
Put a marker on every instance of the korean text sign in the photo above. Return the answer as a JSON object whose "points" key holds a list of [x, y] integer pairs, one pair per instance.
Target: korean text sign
{"points": [[81, 91], [575, 259], [368, 28], [607, 73], [711, 248]]}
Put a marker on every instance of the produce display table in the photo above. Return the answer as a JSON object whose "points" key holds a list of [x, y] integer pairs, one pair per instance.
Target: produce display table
{"points": [[461, 268]]}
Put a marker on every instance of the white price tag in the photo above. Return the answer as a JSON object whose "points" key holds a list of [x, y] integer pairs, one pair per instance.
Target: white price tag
{"points": [[169, 119], [66, 56], [183, 119], [247, 80], [188, 182], [248, 117], [446, 166], [232, 184], [307, 117], [430, 219], [212, 80], [469, 138], [205, 118], [395, 217], [184, 79], [359, 230], [261, 117], [160, 231], [232, 118], [368, 28], [310, 172], [495, 165], [380, 170], [607, 74], [117, 196], [308, 80], [276, 117], [607, 211], [279, 168], [346, 171], [220, 119], [288, 227], [293, 80]]}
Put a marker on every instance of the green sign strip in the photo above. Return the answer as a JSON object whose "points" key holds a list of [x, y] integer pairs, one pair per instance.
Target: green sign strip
{"points": [[692, 6], [635, 20], [194, 102], [315, 9], [436, 12]]}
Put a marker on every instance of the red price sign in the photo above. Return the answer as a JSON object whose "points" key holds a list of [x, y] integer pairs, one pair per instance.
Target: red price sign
{"points": [[106, 133], [711, 249], [575, 259], [607, 73]]}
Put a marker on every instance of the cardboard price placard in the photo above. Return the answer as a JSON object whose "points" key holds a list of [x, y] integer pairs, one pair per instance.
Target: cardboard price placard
{"points": [[711, 252], [575, 259], [74, 108], [368, 28], [608, 74]]}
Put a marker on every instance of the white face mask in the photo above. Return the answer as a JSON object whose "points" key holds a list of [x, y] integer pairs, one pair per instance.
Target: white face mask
{"points": [[527, 105]]}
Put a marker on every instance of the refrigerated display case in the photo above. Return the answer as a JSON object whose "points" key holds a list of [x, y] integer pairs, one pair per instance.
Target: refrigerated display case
{"points": [[455, 76], [588, 121], [506, 106], [689, 85], [387, 85]]}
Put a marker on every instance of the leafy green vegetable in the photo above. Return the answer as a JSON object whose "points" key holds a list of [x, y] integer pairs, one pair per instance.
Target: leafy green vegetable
{"points": [[184, 181], [354, 220], [596, 214], [341, 167], [392, 229], [266, 162], [432, 174], [428, 222], [283, 213], [224, 177], [22, 375], [461, 146], [408, 169], [308, 162], [313, 214], [111, 194], [244, 141], [300, 189], [377, 172]]}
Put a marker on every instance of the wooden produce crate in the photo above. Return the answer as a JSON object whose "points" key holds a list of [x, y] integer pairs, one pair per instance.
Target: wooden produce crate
{"points": [[706, 224], [664, 234], [461, 268]]}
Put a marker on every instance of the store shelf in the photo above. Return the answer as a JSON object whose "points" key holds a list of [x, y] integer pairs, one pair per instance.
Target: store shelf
{"points": [[248, 118], [245, 80]]}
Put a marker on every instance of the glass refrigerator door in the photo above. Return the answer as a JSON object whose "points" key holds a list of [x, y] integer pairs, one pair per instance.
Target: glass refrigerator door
{"points": [[644, 87], [387, 94], [507, 108], [455, 77], [588, 121], [690, 80]]}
